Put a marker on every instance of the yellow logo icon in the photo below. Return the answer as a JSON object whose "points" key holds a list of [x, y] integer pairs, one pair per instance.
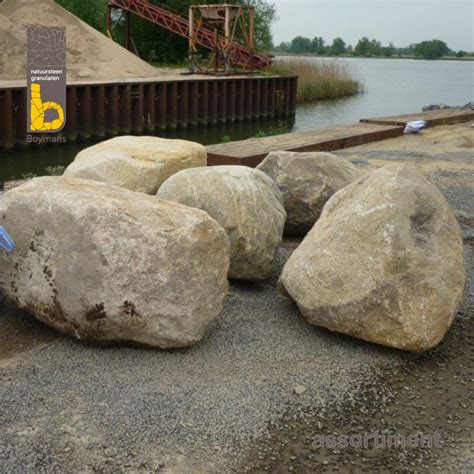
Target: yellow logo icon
{"points": [[38, 109]]}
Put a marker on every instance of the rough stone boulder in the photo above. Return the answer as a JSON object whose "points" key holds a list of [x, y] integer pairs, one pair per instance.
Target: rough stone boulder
{"points": [[248, 205], [307, 181], [136, 163], [383, 263], [102, 263]]}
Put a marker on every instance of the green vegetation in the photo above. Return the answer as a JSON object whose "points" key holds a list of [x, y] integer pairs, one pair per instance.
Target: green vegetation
{"points": [[431, 49], [338, 47], [176, 65], [28, 176], [258, 134], [271, 128], [55, 170], [155, 44], [90, 11], [320, 79], [367, 48]]}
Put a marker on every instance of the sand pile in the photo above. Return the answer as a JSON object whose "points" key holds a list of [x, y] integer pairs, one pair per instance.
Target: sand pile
{"points": [[90, 54]]}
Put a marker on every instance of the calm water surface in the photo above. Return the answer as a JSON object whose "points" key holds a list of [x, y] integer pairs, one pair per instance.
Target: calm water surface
{"points": [[392, 87]]}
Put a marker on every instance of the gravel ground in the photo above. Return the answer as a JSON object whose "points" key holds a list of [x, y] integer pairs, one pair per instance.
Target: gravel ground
{"points": [[230, 403], [67, 404]]}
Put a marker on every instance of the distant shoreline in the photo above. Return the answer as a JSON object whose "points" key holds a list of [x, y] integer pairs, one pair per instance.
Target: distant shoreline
{"points": [[349, 56]]}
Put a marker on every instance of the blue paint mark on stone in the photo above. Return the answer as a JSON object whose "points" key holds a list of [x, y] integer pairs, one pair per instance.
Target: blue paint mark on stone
{"points": [[5, 240]]}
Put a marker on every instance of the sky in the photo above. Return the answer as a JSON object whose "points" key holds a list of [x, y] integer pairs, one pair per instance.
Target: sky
{"points": [[401, 22]]}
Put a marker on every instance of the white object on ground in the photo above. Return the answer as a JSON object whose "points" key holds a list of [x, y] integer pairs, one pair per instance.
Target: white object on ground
{"points": [[299, 389], [415, 126]]}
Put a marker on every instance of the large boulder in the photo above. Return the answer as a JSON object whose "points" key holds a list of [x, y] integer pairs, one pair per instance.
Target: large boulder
{"points": [[307, 181], [383, 263], [102, 263], [136, 163], [247, 204]]}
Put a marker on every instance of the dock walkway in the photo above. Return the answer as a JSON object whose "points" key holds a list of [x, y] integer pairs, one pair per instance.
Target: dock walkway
{"points": [[433, 117], [252, 151]]}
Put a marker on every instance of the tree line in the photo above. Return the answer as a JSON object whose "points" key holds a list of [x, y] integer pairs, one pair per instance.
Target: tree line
{"points": [[365, 47]]}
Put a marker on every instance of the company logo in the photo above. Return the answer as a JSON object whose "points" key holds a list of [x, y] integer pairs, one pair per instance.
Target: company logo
{"points": [[46, 79]]}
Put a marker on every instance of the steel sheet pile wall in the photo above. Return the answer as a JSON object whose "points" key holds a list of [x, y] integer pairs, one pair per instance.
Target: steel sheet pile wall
{"points": [[105, 110]]}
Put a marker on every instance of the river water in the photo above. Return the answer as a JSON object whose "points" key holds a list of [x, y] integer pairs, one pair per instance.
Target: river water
{"points": [[392, 87]]}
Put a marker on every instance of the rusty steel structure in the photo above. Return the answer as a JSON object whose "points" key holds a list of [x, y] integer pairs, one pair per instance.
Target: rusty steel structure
{"points": [[227, 22], [107, 109], [224, 20]]}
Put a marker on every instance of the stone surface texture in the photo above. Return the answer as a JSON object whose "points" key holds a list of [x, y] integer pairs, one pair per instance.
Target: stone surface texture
{"points": [[136, 163], [102, 263], [307, 181], [247, 204], [384, 262]]}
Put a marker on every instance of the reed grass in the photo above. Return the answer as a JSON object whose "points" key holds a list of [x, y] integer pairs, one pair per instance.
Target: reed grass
{"points": [[319, 79]]}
